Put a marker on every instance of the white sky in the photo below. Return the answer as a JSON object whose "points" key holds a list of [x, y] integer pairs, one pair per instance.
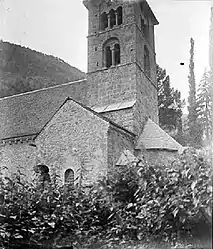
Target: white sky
{"points": [[59, 27]]}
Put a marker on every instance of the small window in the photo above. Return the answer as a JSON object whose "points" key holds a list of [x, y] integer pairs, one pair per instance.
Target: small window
{"points": [[111, 52], [112, 18], [142, 25], [117, 54], [144, 28], [104, 21], [43, 177], [119, 16], [69, 178], [146, 62], [108, 57]]}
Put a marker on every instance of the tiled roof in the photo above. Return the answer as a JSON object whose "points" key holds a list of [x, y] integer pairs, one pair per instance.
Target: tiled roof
{"points": [[153, 137], [27, 113]]}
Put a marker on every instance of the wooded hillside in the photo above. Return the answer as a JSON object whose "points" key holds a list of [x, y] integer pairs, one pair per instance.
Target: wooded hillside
{"points": [[23, 69]]}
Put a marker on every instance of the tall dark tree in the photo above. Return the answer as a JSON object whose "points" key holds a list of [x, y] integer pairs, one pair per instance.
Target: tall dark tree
{"points": [[194, 129], [204, 102], [169, 103]]}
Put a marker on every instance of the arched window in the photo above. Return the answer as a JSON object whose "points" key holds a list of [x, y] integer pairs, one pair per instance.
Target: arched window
{"points": [[112, 18], [69, 178], [43, 177], [104, 21], [119, 16], [111, 52], [108, 57], [117, 54], [145, 28], [146, 62]]}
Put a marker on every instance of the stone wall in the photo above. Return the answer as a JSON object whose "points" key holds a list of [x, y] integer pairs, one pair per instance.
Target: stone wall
{"points": [[123, 117], [18, 157], [147, 100], [159, 157], [75, 138], [118, 141], [110, 86]]}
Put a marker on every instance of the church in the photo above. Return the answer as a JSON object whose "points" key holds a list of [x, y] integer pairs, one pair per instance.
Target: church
{"points": [[85, 128]]}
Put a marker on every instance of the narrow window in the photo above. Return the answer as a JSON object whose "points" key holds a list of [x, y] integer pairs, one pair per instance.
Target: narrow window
{"points": [[104, 22], [112, 18], [145, 28], [69, 178], [117, 54], [43, 177], [146, 62], [108, 57], [142, 25], [119, 15]]}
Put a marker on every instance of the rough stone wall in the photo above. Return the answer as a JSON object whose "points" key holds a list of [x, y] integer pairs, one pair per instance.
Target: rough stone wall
{"points": [[126, 81], [159, 157], [123, 117], [110, 86], [97, 38], [118, 141], [147, 101], [141, 42], [17, 157], [75, 138]]}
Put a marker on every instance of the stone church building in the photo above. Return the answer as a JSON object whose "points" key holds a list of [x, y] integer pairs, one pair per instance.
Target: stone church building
{"points": [[89, 126]]}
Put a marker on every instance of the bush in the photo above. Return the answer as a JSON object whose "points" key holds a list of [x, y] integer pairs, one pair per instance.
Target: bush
{"points": [[132, 203]]}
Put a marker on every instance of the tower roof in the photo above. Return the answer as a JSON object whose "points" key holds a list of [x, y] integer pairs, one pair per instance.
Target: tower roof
{"points": [[153, 137]]}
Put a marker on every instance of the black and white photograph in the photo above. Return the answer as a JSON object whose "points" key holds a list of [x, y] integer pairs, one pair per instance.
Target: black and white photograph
{"points": [[106, 124]]}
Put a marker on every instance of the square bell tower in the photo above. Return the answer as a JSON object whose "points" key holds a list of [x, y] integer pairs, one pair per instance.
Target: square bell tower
{"points": [[121, 61]]}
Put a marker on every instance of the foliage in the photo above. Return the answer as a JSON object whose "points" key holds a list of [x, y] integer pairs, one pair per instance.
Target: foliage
{"points": [[205, 106], [23, 69], [169, 103], [137, 202], [194, 127]]}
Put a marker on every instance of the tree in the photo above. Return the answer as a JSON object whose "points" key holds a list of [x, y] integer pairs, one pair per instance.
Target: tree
{"points": [[169, 103], [194, 129], [204, 102]]}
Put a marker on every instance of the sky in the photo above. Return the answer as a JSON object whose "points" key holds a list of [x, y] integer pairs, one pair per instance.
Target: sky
{"points": [[59, 28]]}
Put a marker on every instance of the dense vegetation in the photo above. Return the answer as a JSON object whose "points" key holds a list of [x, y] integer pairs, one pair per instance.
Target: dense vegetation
{"points": [[137, 203], [23, 69]]}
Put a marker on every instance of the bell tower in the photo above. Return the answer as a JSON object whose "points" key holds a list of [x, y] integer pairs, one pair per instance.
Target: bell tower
{"points": [[121, 61]]}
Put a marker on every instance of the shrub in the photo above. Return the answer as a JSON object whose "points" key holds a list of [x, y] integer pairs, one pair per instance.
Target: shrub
{"points": [[136, 202]]}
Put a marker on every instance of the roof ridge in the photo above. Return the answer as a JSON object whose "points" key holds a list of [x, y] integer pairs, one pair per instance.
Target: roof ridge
{"points": [[42, 89]]}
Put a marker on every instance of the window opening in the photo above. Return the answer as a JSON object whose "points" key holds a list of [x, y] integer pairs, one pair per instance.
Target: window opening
{"points": [[69, 178], [117, 54], [108, 57], [43, 177], [119, 16], [104, 21], [146, 61], [112, 18]]}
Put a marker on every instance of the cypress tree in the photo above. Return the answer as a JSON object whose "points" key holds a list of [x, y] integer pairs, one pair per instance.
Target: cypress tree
{"points": [[194, 130]]}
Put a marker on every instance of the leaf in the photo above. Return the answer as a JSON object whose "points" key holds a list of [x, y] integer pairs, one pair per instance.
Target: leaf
{"points": [[52, 224], [175, 212], [13, 217], [18, 236], [209, 189], [129, 205], [193, 185]]}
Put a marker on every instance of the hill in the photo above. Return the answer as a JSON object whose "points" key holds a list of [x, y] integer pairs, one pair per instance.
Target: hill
{"points": [[23, 69]]}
